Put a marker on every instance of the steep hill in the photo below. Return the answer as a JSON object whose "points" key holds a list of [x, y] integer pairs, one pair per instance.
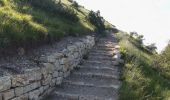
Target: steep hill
{"points": [[34, 21], [142, 80]]}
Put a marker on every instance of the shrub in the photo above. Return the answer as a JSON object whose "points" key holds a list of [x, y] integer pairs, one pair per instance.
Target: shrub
{"points": [[75, 4], [152, 47], [70, 1], [97, 21], [162, 62]]}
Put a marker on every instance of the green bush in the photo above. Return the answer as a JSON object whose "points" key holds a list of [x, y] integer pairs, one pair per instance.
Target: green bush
{"points": [[75, 4], [162, 63], [97, 21], [140, 81], [71, 1]]}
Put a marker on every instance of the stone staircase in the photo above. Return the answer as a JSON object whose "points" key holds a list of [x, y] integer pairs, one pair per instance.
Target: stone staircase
{"points": [[97, 78]]}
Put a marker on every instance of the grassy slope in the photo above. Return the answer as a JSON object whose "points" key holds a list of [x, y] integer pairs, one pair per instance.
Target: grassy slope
{"points": [[140, 80], [162, 63], [22, 23]]}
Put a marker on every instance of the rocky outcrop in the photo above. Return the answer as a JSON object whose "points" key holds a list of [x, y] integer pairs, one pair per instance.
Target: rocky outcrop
{"points": [[50, 71]]}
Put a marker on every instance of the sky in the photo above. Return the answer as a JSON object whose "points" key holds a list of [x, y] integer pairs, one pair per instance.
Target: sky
{"points": [[150, 18]]}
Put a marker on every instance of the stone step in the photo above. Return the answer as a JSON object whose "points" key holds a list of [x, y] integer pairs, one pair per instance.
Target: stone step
{"points": [[105, 45], [99, 70], [52, 96], [96, 74], [97, 78], [101, 63], [93, 81], [101, 54], [99, 58], [112, 68], [102, 51], [79, 92], [107, 40]]}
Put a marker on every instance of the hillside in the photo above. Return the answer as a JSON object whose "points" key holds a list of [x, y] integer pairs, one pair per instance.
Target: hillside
{"points": [[28, 22], [144, 74]]}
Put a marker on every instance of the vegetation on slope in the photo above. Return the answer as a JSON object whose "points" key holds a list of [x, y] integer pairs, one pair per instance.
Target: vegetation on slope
{"points": [[33, 21], [141, 80], [162, 63]]}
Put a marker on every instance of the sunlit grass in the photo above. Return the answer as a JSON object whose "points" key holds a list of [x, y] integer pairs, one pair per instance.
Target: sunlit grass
{"points": [[21, 22], [140, 80]]}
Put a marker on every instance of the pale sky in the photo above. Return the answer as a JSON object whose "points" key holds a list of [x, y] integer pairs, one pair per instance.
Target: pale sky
{"points": [[148, 17]]}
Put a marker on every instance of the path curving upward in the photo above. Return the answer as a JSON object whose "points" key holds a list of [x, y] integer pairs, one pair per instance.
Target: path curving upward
{"points": [[97, 78]]}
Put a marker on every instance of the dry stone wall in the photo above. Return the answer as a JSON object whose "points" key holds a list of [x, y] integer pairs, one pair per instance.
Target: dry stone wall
{"points": [[37, 82]]}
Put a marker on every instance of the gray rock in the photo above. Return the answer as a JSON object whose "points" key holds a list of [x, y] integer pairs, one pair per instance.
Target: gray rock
{"points": [[46, 80], [58, 55], [8, 94], [55, 74], [52, 84], [34, 95], [31, 87], [51, 59], [64, 61], [47, 68], [41, 89], [60, 74], [5, 83], [22, 97], [57, 65], [46, 87], [59, 80], [0, 96], [27, 78], [19, 91]]}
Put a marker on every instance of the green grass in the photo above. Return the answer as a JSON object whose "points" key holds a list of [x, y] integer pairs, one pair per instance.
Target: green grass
{"points": [[23, 23], [162, 63], [140, 80]]}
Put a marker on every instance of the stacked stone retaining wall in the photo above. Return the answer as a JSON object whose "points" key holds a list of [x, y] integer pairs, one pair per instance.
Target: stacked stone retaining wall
{"points": [[37, 82]]}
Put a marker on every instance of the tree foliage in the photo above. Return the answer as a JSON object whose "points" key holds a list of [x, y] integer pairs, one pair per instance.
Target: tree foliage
{"points": [[75, 4], [139, 38], [162, 62], [97, 21], [152, 47]]}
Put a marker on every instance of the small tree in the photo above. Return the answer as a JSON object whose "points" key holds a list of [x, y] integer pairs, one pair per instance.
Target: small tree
{"points": [[140, 39], [152, 47], [97, 21], [133, 33], [75, 4]]}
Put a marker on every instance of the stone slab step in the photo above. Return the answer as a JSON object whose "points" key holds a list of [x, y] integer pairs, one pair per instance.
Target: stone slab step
{"points": [[76, 92], [93, 81], [101, 54], [101, 63], [99, 70], [96, 74], [107, 40], [102, 51], [105, 45], [98, 57], [55, 97], [113, 68]]}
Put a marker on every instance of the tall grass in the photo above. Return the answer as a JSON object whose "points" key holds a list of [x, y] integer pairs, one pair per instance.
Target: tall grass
{"points": [[162, 63], [31, 21], [140, 80]]}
